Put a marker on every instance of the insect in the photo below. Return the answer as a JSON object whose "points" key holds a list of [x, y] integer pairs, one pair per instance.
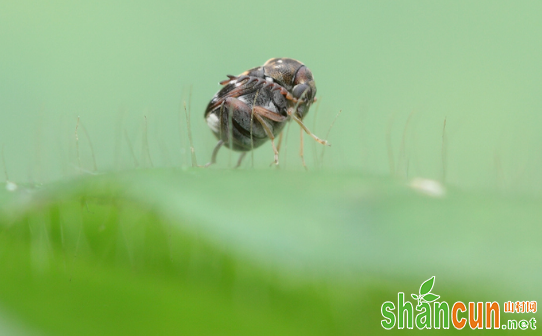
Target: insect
{"points": [[256, 105]]}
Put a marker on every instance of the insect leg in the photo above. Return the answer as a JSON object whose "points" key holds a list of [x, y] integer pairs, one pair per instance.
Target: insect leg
{"points": [[279, 144], [297, 120], [215, 152], [241, 157], [280, 141], [269, 114], [269, 134], [260, 114]]}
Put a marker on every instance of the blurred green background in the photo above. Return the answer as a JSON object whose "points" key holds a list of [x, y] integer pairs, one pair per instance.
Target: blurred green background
{"points": [[173, 249], [112, 63]]}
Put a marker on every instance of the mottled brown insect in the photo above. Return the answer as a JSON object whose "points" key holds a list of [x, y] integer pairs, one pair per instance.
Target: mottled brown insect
{"points": [[256, 105]]}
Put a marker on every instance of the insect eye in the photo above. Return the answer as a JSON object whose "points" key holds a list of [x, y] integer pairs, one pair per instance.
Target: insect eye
{"points": [[300, 89]]}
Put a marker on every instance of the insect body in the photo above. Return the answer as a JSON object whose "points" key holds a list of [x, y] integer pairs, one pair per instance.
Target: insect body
{"points": [[256, 105]]}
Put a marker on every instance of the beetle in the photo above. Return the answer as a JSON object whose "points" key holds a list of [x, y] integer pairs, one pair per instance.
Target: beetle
{"points": [[256, 105]]}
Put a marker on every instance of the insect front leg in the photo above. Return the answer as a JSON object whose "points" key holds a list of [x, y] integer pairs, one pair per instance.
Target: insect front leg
{"points": [[297, 120], [280, 141]]}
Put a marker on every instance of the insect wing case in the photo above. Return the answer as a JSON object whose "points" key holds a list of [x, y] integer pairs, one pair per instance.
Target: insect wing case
{"points": [[236, 101]]}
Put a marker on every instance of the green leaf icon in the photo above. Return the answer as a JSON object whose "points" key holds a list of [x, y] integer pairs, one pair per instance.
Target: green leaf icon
{"points": [[414, 296], [427, 285], [430, 297]]}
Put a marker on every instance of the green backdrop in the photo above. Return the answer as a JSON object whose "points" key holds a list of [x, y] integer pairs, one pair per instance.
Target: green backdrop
{"points": [[97, 88]]}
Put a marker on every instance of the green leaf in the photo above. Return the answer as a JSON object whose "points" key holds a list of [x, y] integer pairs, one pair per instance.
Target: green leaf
{"points": [[427, 286], [414, 296], [430, 297], [168, 249]]}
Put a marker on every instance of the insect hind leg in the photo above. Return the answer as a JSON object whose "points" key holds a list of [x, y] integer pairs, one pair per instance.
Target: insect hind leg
{"points": [[215, 153], [240, 160]]}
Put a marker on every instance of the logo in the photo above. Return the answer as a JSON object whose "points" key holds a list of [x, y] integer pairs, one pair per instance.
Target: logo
{"points": [[425, 295], [433, 314]]}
